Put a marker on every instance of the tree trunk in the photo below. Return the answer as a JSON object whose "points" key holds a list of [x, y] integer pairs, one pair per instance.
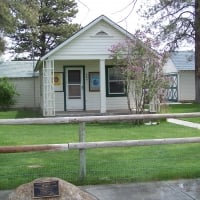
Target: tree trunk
{"points": [[197, 50]]}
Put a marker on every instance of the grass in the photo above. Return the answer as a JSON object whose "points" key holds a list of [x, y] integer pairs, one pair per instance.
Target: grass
{"points": [[10, 114], [181, 108], [106, 165]]}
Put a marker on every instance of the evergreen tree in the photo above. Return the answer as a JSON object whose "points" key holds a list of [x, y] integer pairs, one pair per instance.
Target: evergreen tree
{"points": [[52, 25], [6, 23], [10, 11]]}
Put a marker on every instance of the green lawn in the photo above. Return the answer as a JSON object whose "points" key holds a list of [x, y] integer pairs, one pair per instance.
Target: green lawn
{"points": [[181, 108], [107, 165], [10, 114]]}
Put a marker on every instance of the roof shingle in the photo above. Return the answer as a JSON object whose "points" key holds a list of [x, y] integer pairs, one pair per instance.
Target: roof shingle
{"points": [[183, 60], [16, 69]]}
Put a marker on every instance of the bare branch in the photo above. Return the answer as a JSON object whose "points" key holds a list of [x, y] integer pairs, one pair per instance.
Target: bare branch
{"points": [[88, 9], [133, 3]]}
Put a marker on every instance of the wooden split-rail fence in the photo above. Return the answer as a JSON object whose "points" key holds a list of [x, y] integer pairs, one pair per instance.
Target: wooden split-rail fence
{"points": [[82, 145]]}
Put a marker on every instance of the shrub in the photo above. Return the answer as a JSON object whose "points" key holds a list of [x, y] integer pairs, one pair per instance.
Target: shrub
{"points": [[7, 93]]}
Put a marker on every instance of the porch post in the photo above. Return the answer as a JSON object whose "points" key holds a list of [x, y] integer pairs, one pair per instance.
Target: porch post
{"points": [[48, 88], [102, 86]]}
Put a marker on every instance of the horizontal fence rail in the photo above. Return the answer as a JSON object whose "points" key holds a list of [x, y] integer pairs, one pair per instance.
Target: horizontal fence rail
{"points": [[93, 145], [92, 119], [131, 143], [31, 148]]}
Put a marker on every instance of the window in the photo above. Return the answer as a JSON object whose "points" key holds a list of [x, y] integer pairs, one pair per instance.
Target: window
{"points": [[74, 84], [115, 83]]}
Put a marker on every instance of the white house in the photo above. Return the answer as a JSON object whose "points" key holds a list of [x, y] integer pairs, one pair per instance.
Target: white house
{"points": [[180, 68], [78, 75], [26, 81]]}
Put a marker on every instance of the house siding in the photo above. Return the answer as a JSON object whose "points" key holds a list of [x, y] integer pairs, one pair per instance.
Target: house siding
{"points": [[59, 101], [186, 86], [169, 67], [117, 103], [27, 97], [92, 99], [89, 45]]}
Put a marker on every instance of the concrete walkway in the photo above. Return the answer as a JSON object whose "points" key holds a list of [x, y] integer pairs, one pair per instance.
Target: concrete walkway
{"points": [[159, 190], [184, 123]]}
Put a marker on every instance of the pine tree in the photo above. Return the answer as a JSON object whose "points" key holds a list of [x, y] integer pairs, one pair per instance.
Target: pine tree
{"points": [[10, 11], [6, 23], [52, 25]]}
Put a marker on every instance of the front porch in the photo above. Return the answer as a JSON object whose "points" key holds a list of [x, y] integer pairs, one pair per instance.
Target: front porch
{"points": [[67, 86]]}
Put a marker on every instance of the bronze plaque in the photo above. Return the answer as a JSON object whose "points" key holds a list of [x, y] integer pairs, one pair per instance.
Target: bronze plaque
{"points": [[46, 189]]}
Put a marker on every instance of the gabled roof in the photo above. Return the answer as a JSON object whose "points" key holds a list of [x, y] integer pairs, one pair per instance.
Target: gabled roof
{"points": [[17, 69], [183, 60], [81, 31]]}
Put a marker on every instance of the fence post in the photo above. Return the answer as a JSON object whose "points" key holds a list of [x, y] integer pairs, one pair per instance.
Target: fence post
{"points": [[82, 153]]}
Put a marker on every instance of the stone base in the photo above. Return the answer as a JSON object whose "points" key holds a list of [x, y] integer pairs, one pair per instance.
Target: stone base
{"points": [[67, 191]]}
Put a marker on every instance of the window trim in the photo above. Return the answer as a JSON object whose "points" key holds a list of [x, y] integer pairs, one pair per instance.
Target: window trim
{"points": [[107, 85]]}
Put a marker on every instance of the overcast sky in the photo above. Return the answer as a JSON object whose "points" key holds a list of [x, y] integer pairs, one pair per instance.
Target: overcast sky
{"points": [[116, 10]]}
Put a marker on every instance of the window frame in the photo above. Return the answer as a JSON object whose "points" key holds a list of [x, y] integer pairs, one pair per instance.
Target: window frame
{"points": [[108, 94]]}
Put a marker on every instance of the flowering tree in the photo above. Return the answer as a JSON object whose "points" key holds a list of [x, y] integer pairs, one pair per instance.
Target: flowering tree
{"points": [[141, 67]]}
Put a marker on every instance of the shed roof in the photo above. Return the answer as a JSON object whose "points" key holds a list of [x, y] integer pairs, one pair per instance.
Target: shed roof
{"points": [[17, 69], [183, 60]]}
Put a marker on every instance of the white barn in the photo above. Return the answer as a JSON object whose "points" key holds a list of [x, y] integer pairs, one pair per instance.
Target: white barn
{"points": [[26, 81], [180, 68], [78, 76]]}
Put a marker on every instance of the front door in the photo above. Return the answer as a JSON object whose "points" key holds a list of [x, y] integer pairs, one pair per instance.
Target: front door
{"points": [[74, 89]]}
